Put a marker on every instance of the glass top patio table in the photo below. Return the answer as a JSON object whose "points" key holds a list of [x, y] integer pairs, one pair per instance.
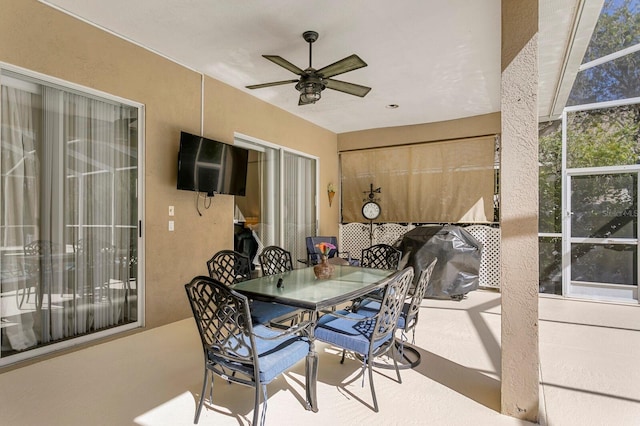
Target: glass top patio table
{"points": [[300, 288]]}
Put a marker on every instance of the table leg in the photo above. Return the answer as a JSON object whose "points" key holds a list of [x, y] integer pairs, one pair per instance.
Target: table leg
{"points": [[311, 370]]}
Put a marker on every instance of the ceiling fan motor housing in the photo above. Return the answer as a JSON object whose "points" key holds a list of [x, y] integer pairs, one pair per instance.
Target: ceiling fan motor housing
{"points": [[310, 36]]}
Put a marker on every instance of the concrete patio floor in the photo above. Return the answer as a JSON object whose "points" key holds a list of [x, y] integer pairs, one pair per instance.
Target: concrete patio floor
{"points": [[589, 374]]}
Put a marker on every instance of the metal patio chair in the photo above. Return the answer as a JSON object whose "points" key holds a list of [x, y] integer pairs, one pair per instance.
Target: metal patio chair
{"points": [[380, 256], [234, 348], [408, 317], [369, 336], [230, 267], [275, 260], [314, 255]]}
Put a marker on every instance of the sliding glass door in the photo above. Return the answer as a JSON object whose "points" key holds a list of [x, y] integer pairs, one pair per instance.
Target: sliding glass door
{"points": [[69, 216], [284, 184]]}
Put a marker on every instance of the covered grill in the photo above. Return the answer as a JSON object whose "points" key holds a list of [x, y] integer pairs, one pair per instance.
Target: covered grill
{"points": [[458, 253]]}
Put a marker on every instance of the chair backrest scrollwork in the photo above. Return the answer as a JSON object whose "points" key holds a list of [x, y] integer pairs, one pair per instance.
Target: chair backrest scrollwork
{"points": [[380, 256], [392, 303], [275, 260], [229, 267], [411, 314], [224, 322]]}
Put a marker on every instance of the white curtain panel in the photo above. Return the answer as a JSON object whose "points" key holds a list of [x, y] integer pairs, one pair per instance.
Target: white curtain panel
{"points": [[18, 165], [69, 215], [299, 203], [270, 195]]}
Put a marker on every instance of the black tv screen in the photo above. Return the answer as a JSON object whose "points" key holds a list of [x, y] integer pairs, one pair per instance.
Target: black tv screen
{"points": [[209, 166]]}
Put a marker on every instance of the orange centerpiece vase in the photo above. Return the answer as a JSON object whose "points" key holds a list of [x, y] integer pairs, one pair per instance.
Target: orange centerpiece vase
{"points": [[324, 269]]}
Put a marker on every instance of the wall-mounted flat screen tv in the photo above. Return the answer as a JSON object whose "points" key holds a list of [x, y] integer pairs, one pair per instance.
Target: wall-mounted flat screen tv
{"points": [[212, 167]]}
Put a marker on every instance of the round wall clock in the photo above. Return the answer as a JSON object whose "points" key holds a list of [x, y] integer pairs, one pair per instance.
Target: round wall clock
{"points": [[371, 210]]}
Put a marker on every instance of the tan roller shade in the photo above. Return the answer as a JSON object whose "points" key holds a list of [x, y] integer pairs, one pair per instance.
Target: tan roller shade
{"points": [[450, 181]]}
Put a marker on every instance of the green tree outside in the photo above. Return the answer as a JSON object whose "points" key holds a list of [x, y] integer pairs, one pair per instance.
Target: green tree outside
{"points": [[595, 138]]}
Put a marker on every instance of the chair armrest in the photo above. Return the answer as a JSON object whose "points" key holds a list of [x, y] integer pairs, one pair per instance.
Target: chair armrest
{"points": [[295, 329], [339, 315], [345, 252], [376, 295], [313, 259]]}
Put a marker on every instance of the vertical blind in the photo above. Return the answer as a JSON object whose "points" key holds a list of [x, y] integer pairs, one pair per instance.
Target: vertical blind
{"points": [[448, 182]]}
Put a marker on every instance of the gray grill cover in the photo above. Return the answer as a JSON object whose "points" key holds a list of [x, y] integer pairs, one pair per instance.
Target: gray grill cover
{"points": [[458, 253]]}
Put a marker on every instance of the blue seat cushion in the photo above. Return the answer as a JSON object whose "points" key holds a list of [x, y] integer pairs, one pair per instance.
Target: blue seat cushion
{"points": [[275, 356], [347, 333], [265, 312], [370, 307]]}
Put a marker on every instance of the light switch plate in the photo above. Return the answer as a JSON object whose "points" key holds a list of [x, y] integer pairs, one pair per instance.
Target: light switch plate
{"points": [[171, 210]]}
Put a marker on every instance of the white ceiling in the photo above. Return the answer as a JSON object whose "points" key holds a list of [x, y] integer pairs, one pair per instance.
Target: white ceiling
{"points": [[438, 60]]}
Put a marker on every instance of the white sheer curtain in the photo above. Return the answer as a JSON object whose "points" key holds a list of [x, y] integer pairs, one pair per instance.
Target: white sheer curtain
{"points": [[18, 170], [98, 223], [287, 186], [69, 215], [299, 195], [269, 196]]}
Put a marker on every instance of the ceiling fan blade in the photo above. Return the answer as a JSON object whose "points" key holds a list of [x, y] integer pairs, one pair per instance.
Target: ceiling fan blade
{"points": [[350, 88], [275, 83], [347, 64], [284, 63]]}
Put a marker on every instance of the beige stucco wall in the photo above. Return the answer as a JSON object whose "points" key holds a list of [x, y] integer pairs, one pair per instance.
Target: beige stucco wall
{"points": [[519, 210], [41, 39]]}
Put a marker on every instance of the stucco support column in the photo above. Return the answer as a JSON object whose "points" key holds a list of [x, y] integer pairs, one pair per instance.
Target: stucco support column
{"points": [[519, 209]]}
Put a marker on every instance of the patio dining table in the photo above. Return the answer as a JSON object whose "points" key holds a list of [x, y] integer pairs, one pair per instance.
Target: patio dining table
{"points": [[300, 288]]}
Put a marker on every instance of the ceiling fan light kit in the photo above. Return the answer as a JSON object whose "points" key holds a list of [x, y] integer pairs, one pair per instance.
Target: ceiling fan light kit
{"points": [[312, 82], [309, 89]]}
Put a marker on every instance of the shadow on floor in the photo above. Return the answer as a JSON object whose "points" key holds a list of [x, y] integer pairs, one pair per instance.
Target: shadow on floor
{"points": [[466, 381]]}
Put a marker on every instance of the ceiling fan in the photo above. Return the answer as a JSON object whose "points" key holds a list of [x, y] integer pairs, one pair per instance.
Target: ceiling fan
{"points": [[312, 82]]}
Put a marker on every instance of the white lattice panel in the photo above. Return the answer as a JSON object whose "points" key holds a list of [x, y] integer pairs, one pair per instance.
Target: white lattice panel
{"points": [[490, 259], [355, 236], [389, 233]]}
